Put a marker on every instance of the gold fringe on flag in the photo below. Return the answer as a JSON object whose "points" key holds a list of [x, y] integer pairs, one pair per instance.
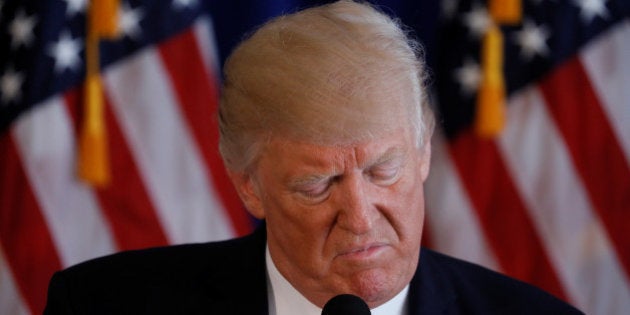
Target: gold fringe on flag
{"points": [[491, 95], [93, 162], [490, 118]]}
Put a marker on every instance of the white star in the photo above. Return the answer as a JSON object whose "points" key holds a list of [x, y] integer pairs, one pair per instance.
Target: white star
{"points": [[21, 30], [468, 76], [10, 86], [589, 9], [449, 7], [130, 21], [75, 6], [477, 21], [533, 40], [65, 52], [183, 4]]}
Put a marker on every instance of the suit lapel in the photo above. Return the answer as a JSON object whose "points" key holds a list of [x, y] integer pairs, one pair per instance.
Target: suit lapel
{"points": [[234, 283], [429, 291], [243, 288]]}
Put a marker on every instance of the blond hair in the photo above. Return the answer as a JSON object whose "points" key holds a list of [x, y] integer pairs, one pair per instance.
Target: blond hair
{"points": [[333, 74]]}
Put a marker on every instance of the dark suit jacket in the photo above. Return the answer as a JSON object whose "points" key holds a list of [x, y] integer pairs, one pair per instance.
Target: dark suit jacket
{"points": [[230, 278]]}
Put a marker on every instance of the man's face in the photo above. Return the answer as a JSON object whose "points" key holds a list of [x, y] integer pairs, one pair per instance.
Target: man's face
{"points": [[342, 219]]}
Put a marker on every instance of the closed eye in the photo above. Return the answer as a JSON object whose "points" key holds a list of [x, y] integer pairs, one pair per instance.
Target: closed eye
{"points": [[385, 174], [314, 190]]}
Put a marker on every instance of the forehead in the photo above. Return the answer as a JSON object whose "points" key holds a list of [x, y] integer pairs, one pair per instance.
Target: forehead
{"points": [[290, 156]]}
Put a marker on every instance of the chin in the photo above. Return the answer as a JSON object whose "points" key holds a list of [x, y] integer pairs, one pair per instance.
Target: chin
{"points": [[376, 287]]}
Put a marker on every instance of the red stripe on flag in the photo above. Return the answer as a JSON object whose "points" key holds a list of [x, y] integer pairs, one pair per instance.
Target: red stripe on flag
{"points": [[594, 149], [197, 93], [125, 201], [502, 213], [25, 237]]}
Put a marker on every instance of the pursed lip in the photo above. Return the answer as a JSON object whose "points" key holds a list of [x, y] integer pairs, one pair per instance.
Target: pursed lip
{"points": [[362, 251]]}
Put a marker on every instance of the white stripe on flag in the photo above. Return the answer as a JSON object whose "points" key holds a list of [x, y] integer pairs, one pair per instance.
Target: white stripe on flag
{"points": [[46, 143], [454, 227], [204, 35], [573, 236], [606, 62], [167, 157], [10, 299]]}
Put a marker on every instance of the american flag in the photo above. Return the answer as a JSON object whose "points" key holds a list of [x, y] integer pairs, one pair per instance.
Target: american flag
{"points": [[547, 201], [168, 184]]}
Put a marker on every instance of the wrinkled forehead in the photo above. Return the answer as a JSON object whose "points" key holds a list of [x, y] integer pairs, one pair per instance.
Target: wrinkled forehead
{"points": [[298, 157]]}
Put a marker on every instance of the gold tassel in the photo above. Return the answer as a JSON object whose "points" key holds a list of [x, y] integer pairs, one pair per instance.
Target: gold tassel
{"points": [[93, 162], [506, 11], [93, 151], [104, 18], [490, 118]]}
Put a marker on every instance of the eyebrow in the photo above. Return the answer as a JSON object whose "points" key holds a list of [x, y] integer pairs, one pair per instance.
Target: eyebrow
{"points": [[389, 155], [308, 180]]}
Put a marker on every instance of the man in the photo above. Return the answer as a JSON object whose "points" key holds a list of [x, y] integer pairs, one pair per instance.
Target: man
{"points": [[325, 132]]}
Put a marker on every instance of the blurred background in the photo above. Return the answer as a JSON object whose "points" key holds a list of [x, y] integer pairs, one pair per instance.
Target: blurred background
{"points": [[542, 195]]}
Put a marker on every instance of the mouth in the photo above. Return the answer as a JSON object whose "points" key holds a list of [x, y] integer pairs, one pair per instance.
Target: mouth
{"points": [[363, 252]]}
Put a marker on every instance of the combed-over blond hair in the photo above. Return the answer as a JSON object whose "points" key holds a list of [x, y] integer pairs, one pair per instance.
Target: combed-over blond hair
{"points": [[335, 74]]}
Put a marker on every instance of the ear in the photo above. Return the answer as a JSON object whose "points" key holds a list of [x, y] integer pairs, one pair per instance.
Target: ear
{"points": [[425, 160], [248, 191]]}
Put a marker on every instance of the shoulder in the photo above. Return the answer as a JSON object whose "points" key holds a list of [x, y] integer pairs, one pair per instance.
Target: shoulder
{"points": [[163, 261], [163, 276], [475, 289]]}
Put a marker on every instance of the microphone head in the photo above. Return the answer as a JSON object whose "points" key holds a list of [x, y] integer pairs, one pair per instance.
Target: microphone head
{"points": [[346, 304]]}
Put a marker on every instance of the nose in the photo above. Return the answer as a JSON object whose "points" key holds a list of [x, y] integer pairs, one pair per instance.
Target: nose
{"points": [[357, 213]]}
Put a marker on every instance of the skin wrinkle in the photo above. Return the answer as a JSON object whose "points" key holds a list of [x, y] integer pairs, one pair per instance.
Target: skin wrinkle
{"points": [[330, 178]]}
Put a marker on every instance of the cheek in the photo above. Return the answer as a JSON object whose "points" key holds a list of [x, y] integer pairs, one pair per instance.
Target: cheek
{"points": [[409, 211], [288, 215], [299, 231]]}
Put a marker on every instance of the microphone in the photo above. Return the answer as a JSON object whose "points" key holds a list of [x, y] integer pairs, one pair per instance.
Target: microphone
{"points": [[346, 304]]}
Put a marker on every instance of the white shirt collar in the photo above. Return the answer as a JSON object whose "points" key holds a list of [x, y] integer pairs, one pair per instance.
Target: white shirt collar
{"points": [[284, 299]]}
